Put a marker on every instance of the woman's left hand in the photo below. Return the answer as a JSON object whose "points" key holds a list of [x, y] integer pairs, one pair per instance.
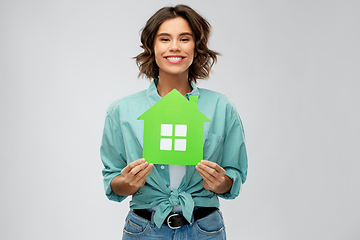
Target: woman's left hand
{"points": [[214, 178]]}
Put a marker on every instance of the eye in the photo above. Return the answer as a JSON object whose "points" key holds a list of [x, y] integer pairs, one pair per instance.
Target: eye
{"points": [[164, 39], [185, 39]]}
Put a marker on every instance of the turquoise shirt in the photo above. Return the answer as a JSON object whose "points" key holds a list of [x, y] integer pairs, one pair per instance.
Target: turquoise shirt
{"points": [[223, 143]]}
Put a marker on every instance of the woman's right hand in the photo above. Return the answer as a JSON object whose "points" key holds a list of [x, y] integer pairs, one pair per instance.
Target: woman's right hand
{"points": [[131, 178]]}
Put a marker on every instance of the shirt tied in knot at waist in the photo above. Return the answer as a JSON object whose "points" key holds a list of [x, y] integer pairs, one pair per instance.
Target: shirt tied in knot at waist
{"points": [[175, 198]]}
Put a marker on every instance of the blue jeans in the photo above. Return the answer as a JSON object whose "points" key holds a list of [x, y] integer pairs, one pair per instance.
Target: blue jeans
{"points": [[210, 227]]}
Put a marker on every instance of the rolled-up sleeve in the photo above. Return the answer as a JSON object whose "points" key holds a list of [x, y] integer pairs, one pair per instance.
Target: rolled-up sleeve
{"points": [[111, 150], [234, 158]]}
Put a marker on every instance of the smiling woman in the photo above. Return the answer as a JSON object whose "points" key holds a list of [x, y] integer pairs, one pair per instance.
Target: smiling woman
{"points": [[174, 200], [174, 43], [174, 51], [204, 58]]}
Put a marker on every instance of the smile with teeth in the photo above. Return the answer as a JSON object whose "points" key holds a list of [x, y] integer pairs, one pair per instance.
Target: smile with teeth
{"points": [[174, 59]]}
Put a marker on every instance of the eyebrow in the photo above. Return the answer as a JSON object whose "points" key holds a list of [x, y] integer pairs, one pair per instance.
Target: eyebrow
{"points": [[181, 34]]}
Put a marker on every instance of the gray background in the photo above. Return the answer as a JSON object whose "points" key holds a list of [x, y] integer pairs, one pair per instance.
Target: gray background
{"points": [[291, 68]]}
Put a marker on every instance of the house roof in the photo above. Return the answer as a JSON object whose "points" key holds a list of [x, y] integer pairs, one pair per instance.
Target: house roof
{"points": [[175, 105]]}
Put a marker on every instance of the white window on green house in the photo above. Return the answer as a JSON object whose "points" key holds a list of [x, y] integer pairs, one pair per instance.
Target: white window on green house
{"points": [[168, 137]]}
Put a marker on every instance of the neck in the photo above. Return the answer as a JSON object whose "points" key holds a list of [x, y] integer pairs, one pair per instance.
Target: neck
{"points": [[169, 82]]}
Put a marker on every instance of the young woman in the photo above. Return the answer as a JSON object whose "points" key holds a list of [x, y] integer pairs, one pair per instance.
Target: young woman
{"points": [[168, 201]]}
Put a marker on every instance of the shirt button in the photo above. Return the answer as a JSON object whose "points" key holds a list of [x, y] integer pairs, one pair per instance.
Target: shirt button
{"points": [[162, 167]]}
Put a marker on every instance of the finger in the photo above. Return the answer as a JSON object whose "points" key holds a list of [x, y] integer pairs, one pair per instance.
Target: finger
{"points": [[143, 173], [207, 183], [137, 169], [213, 165], [206, 175], [132, 177], [130, 166], [139, 179], [129, 176], [208, 170]]}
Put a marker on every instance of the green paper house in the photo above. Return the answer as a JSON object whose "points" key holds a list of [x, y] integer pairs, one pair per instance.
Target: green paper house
{"points": [[174, 131]]}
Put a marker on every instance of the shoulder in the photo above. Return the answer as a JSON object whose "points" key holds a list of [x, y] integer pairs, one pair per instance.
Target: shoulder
{"points": [[127, 102], [219, 107], [217, 99]]}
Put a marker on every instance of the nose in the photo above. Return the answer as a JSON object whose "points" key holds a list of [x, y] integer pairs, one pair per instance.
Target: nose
{"points": [[174, 47]]}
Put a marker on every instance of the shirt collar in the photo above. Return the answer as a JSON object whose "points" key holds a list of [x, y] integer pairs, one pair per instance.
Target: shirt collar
{"points": [[154, 97]]}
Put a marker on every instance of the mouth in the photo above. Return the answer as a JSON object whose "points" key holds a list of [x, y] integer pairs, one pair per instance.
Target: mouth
{"points": [[174, 59]]}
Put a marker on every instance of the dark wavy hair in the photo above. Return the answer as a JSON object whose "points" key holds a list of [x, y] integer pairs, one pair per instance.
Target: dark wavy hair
{"points": [[204, 57]]}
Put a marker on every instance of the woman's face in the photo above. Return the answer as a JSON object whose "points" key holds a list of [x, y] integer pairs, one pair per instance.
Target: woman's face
{"points": [[174, 47]]}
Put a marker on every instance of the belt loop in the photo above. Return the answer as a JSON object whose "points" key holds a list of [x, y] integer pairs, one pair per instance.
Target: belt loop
{"points": [[192, 218], [192, 215], [152, 223]]}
